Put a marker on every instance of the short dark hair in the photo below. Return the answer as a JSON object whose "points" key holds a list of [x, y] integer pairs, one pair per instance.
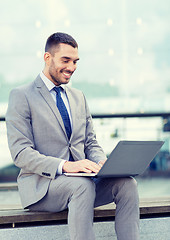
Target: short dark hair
{"points": [[57, 38]]}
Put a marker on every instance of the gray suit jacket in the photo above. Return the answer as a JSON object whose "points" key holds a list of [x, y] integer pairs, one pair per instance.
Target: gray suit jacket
{"points": [[37, 138]]}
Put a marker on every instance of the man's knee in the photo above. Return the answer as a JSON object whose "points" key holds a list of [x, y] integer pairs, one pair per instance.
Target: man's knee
{"points": [[128, 189], [84, 187], [131, 187]]}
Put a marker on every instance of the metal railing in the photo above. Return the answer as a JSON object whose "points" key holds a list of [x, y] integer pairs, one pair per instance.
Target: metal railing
{"points": [[2, 119], [133, 115], [126, 115]]}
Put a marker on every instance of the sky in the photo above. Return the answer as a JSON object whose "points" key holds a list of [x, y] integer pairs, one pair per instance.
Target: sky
{"points": [[125, 43]]}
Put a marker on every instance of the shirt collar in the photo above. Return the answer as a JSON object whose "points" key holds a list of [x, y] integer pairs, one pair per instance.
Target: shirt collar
{"points": [[49, 84]]}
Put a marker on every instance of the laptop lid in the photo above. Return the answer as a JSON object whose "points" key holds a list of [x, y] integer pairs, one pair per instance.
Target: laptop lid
{"points": [[130, 158]]}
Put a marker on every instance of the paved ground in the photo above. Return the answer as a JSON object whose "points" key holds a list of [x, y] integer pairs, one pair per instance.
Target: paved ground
{"points": [[151, 229]]}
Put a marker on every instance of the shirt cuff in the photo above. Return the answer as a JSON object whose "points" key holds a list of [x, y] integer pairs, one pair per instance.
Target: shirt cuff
{"points": [[60, 167]]}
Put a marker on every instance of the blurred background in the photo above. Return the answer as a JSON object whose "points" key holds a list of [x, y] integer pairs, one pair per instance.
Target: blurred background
{"points": [[124, 70]]}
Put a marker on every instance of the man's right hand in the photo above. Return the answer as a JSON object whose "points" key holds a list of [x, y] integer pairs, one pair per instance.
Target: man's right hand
{"points": [[85, 165]]}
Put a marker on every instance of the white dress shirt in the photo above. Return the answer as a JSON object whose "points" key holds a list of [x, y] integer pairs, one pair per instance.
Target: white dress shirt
{"points": [[50, 85]]}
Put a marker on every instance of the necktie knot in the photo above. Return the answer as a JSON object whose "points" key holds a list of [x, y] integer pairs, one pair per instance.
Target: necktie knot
{"points": [[57, 90]]}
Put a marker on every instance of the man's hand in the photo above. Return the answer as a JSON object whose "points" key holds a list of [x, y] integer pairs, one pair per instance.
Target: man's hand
{"points": [[85, 165], [101, 163]]}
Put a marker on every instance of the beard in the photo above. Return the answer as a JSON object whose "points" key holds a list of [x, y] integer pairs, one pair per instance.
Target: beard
{"points": [[55, 79], [57, 75]]}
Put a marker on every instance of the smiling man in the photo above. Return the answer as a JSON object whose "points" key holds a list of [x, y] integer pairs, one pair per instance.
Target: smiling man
{"points": [[50, 132], [60, 62]]}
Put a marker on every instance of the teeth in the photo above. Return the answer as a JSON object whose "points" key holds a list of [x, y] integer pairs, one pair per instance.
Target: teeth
{"points": [[67, 74]]}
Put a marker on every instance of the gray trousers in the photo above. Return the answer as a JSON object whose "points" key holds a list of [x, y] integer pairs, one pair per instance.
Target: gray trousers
{"points": [[80, 195]]}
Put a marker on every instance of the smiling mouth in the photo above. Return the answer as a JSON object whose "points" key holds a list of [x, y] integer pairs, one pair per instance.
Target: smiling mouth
{"points": [[67, 74]]}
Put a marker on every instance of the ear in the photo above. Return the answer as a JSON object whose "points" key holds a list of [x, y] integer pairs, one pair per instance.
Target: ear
{"points": [[47, 58]]}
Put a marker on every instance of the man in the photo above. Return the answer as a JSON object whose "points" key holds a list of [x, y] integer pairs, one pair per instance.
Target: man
{"points": [[50, 132]]}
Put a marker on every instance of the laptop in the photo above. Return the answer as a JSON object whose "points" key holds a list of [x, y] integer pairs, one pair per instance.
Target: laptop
{"points": [[128, 158]]}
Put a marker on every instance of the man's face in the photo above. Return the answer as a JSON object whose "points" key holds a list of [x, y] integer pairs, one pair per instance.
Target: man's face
{"points": [[61, 65]]}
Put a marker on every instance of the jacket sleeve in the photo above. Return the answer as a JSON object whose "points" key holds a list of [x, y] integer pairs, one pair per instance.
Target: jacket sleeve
{"points": [[21, 139]]}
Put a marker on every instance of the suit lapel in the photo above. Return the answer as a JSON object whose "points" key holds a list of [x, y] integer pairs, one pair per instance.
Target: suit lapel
{"points": [[72, 108], [49, 100]]}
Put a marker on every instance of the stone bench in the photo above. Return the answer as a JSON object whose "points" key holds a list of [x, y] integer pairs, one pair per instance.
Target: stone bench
{"points": [[16, 216]]}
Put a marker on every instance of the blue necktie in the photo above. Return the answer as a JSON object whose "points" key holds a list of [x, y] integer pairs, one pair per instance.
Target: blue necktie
{"points": [[64, 114], [63, 111]]}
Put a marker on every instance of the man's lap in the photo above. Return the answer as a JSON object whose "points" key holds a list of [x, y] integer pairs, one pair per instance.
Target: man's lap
{"points": [[62, 188], [60, 192]]}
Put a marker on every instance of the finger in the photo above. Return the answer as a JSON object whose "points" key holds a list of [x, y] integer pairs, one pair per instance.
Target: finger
{"points": [[86, 170], [94, 167], [102, 162]]}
